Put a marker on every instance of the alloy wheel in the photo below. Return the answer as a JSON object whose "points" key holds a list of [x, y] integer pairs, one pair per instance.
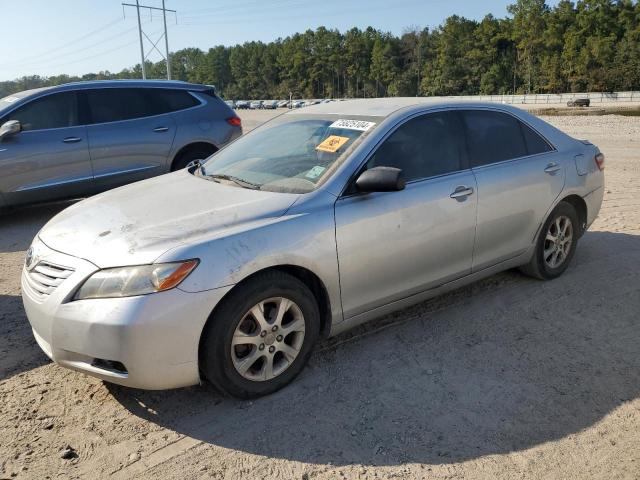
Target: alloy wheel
{"points": [[558, 241], [268, 339]]}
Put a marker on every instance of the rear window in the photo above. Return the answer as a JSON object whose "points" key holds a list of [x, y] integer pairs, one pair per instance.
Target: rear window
{"points": [[492, 137]]}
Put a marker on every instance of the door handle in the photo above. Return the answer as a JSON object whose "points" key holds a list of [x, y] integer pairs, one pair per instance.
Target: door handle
{"points": [[552, 168], [160, 129], [72, 140], [462, 191]]}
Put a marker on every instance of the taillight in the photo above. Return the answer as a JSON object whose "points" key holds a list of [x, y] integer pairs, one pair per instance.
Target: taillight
{"points": [[234, 121], [599, 158]]}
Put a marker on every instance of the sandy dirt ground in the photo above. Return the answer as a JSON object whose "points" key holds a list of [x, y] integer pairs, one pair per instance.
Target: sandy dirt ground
{"points": [[507, 378]]}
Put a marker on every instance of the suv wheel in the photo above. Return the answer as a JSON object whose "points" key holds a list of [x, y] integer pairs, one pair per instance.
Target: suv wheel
{"points": [[189, 156]]}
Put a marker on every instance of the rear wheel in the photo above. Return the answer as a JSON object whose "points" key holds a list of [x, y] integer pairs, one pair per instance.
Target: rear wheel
{"points": [[556, 244], [261, 336]]}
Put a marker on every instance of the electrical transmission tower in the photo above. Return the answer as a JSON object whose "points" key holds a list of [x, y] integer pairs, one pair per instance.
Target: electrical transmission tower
{"points": [[143, 57]]}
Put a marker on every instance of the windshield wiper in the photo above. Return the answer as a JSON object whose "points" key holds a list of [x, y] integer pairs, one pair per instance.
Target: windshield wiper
{"points": [[231, 178]]}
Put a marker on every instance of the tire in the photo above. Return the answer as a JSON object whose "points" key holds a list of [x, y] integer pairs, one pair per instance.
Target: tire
{"points": [[564, 247], [232, 321], [189, 156]]}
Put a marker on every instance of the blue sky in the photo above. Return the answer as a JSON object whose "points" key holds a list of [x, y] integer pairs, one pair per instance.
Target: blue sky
{"points": [[48, 37]]}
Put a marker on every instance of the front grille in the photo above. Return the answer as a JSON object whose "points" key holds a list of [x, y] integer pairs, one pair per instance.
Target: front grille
{"points": [[45, 277]]}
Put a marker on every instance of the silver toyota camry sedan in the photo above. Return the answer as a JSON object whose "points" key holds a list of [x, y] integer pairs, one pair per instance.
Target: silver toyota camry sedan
{"points": [[232, 269]]}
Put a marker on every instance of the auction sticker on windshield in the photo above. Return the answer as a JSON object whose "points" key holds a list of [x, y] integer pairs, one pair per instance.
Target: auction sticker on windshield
{"points": [[332, 143], [360, 125]]}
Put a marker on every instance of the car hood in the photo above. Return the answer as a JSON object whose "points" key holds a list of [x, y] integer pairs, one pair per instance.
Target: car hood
{"points": [[137, 223]]}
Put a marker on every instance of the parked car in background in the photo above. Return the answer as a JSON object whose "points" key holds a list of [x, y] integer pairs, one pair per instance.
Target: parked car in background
{"points": [[228, 271], [297, 104], [231, 103], [579, 102], [255, 105], [78, 139], [270, 104], [283, 103], [242, 105]]}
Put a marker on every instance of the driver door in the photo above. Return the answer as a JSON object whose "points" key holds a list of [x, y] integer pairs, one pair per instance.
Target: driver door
{"points": [[392, 245], [49, 159]]}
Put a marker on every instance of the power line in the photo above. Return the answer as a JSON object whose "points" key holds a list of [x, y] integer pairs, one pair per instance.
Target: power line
{"points": [[94, 55], [73, 52], [275, 16], [75, 40], [238, 9]]}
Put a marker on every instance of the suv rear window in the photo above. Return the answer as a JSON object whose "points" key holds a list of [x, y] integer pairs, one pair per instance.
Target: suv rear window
{"points": [[116, 104]]}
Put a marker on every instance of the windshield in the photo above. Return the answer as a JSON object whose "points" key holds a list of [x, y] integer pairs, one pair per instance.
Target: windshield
{"points": [[292, 153]]}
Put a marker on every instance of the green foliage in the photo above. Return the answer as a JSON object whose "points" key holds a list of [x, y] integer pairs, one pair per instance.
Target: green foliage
{"points": [[587, 45]]}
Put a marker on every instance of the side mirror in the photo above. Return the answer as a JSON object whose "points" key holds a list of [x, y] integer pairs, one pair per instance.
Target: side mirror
{"points": [[10, 128], [381, 179]]}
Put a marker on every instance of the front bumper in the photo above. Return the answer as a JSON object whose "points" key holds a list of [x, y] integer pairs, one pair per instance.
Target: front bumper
{"points": [[153, 337]]}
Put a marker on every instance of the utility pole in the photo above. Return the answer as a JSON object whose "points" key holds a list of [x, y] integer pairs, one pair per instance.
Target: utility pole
{"points": [[144, 70], [166, 40], [143, 57]]}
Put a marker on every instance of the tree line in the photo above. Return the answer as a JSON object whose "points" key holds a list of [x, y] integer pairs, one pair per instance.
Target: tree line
{"points": [[587, 45]]}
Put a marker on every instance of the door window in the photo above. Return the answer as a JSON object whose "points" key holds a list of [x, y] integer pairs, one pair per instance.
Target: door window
{"points": [[117, 104], [493, 137], [58, 110], [423, 147]]}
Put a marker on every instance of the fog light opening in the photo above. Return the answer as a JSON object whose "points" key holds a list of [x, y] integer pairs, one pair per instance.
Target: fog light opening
{"points": [[110, 365]]}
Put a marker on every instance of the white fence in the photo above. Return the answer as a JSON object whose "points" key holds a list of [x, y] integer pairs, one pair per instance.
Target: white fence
{"points": [[555, 98]]}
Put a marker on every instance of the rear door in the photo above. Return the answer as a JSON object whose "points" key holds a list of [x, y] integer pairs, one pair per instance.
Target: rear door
{"points": [[49, 159], [394, 244], [130, 135], [519, 176]]}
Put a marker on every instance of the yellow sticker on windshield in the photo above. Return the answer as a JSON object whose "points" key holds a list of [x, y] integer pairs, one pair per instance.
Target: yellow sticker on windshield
{"points": [[332, 143]]}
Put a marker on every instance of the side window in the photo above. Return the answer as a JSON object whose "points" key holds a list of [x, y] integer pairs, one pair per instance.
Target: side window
{"points": [[115, 104], [492, 137], [165, 100], [57, 110], [423, 147], [535, 143]]}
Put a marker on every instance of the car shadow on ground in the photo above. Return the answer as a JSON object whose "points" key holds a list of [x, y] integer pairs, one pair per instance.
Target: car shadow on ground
{"points": [[502, 365], [19, 226]]}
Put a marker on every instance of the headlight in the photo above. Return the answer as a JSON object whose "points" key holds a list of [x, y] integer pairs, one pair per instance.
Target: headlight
{"points": [[137, 280]]}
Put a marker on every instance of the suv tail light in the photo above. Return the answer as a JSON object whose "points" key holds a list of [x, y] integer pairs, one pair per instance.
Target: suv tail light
{"points": [[234, 121], [599, 158]]}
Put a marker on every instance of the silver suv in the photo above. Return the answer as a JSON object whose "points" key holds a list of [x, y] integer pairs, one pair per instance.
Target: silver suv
{"points": [[78, 139]]}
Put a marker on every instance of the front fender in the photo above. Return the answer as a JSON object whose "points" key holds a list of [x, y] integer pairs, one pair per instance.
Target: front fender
{"points": [[304, 240]]}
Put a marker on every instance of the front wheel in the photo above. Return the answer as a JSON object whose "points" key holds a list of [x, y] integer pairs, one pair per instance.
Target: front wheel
{"points": [[261, 336], [556, 244]]}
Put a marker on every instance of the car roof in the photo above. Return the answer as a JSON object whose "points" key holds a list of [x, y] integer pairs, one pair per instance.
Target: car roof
{"points": [[176, 84], [139, 83], [383, 107]]}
